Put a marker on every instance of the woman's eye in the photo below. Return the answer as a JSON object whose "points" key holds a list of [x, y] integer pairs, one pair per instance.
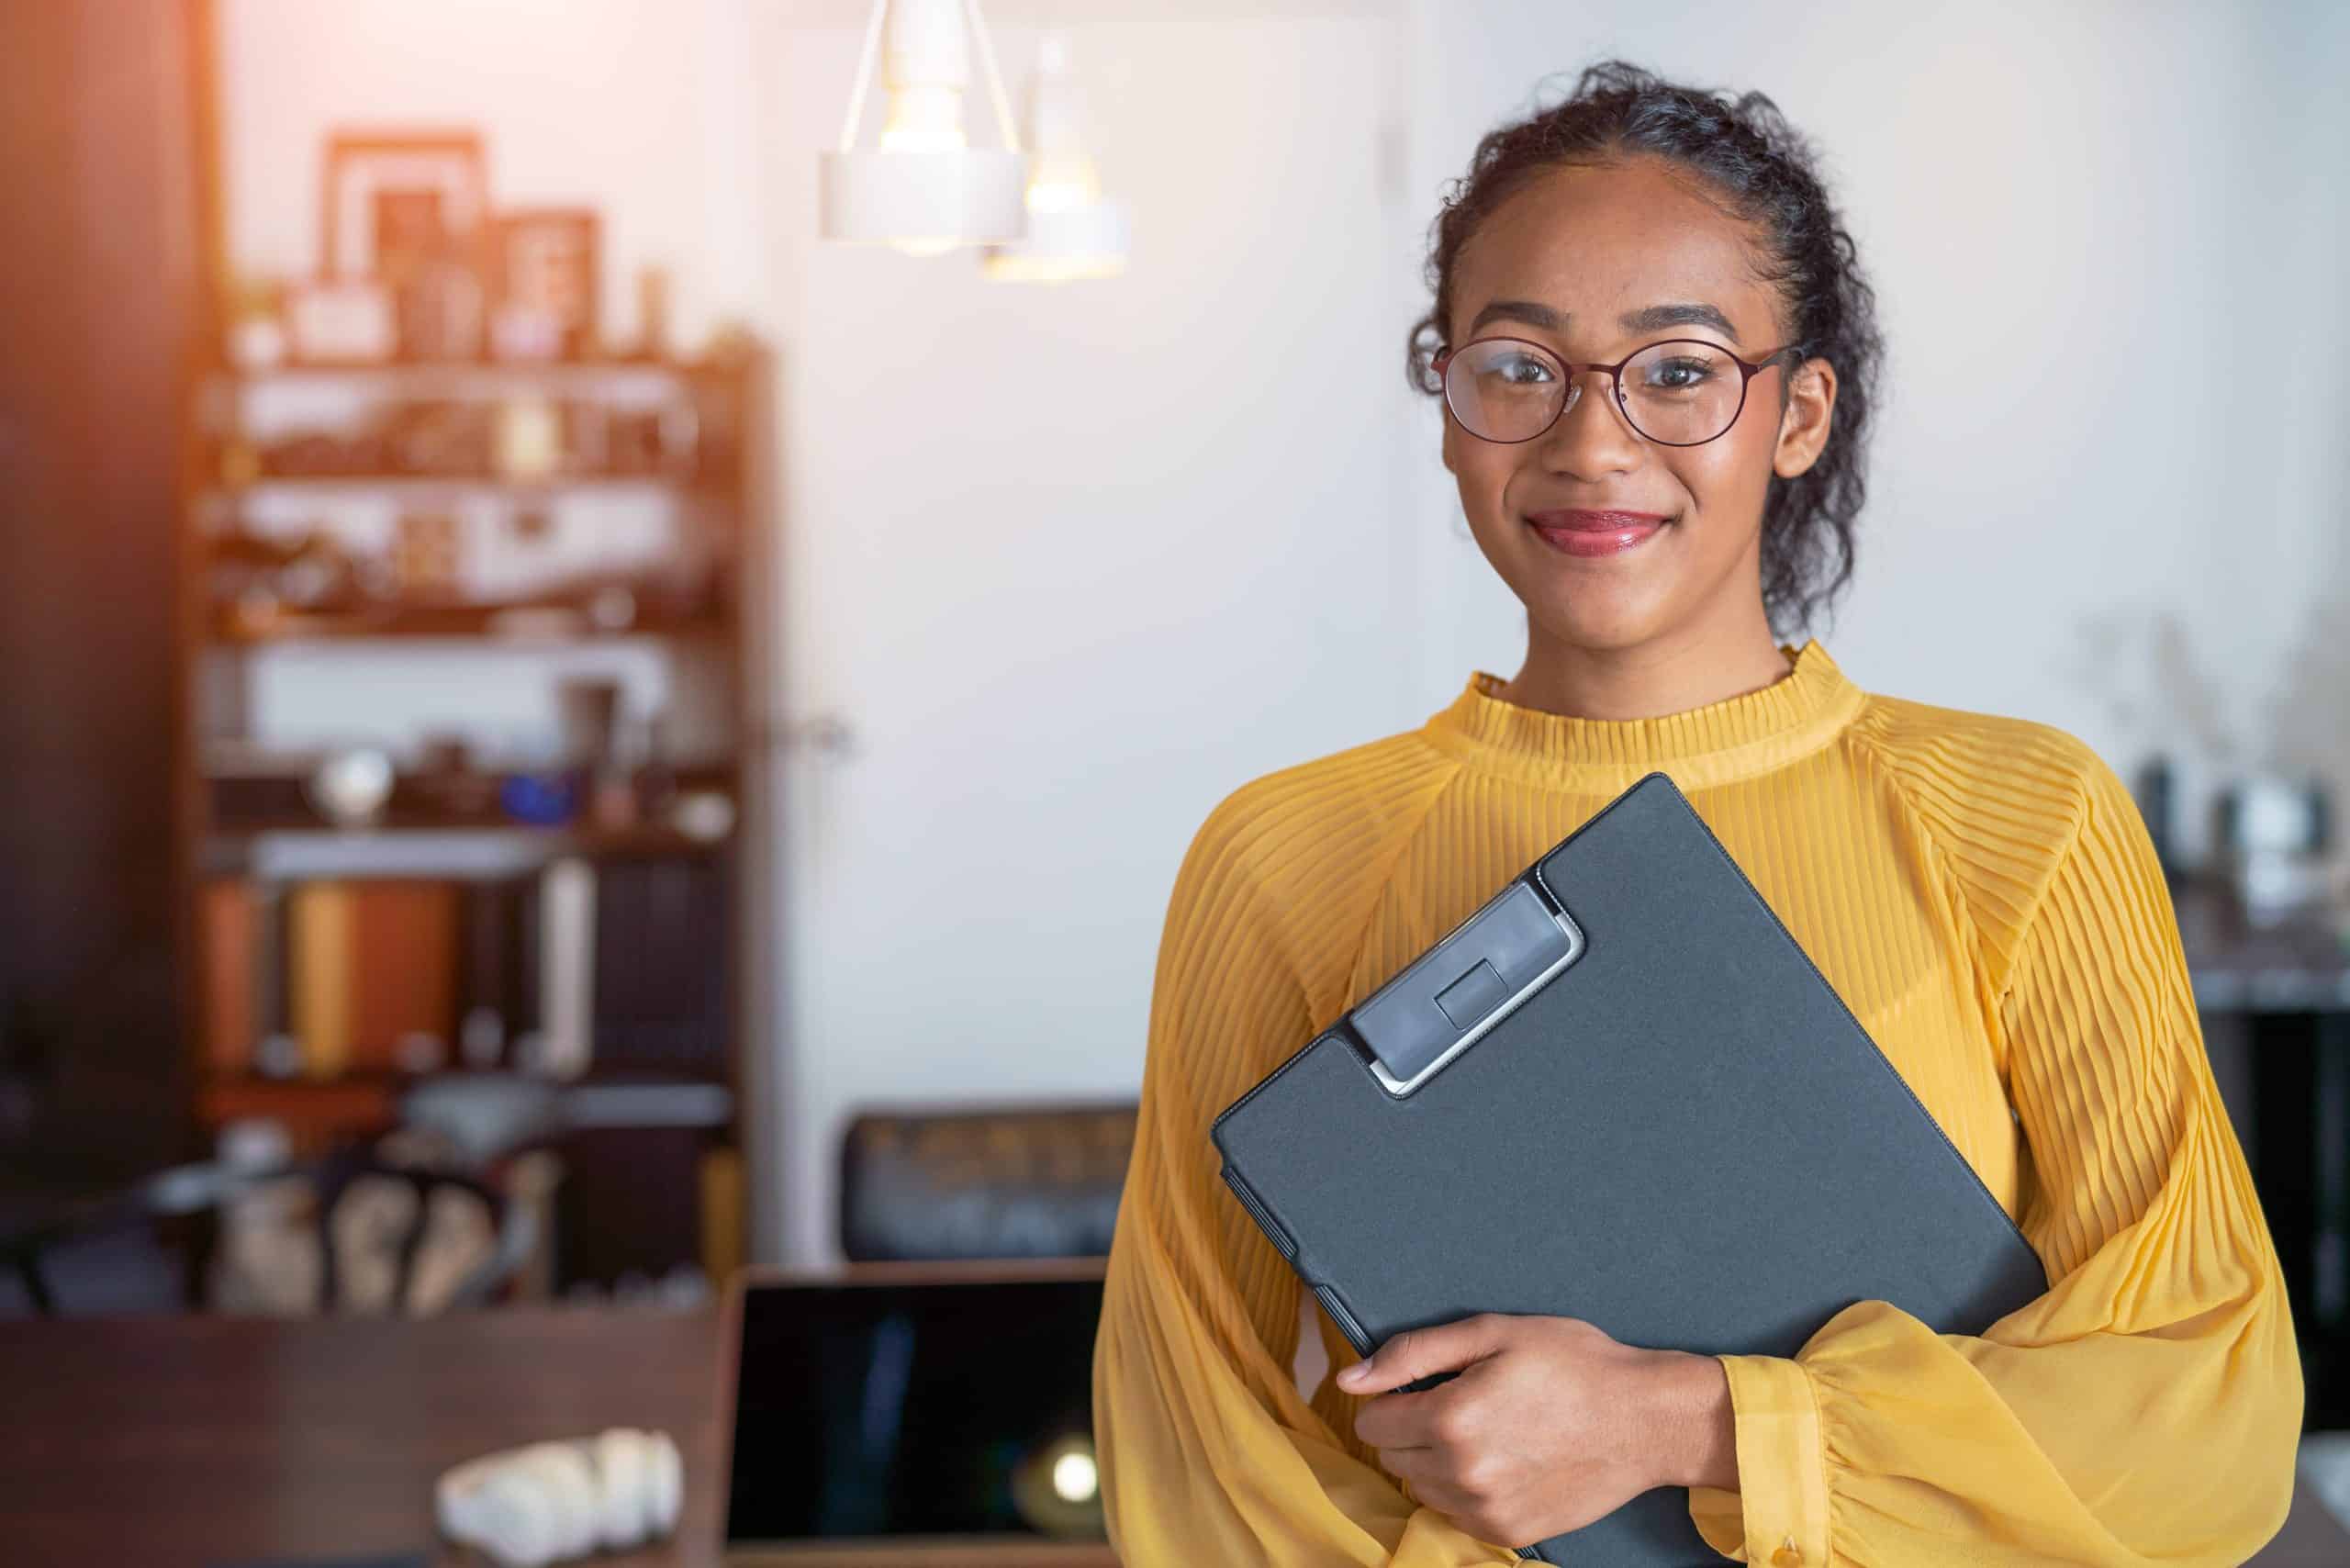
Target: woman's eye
{"points": [[1521, 370], [1677, 374]]}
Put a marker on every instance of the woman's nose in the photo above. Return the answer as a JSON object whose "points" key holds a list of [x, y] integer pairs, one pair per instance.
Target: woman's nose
{"points": [[1590, 436]]}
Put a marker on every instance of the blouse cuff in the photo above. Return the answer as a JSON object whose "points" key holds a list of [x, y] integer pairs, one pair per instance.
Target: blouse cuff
{"points": [[1778, 1516]]}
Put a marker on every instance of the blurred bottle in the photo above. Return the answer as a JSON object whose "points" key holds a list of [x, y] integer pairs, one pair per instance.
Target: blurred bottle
{"points": [[2155, 788]]}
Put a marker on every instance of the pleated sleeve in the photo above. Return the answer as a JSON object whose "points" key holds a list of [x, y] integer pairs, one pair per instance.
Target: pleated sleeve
{"points": [[1207, 1453], [2145, 1410]]}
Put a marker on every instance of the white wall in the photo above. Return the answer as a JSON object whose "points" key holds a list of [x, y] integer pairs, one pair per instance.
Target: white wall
{"points": [[1071, 562]]}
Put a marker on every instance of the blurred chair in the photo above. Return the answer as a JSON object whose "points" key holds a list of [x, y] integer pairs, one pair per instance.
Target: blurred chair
{"points": [[1032, 1181], [31, 1252]]}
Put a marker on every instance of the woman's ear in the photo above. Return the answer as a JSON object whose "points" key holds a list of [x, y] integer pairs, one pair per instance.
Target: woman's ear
{"points": [[1809, 414], [1450, 435]]}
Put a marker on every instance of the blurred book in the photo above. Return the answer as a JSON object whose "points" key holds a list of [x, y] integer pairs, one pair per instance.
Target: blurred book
{"points": [[318, 967], [722, 1213], [404, 972], [371, 971], [660, 967], [567, 968], [231, 915], [499, 989]]}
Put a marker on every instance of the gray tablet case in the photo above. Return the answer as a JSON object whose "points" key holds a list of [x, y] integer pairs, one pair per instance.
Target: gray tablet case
{"points": [[1618, 1092]]}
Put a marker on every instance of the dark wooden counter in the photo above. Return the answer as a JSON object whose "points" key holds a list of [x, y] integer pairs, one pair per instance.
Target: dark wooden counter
{"points": [[197, 1441], [203, 1440]]}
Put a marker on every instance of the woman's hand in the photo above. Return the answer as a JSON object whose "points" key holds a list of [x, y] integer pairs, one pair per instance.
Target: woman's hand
{"points": [[1551, 1424]]}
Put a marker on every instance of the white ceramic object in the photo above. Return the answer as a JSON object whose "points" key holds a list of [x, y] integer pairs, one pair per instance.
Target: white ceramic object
{"points": [[351, 788], [552, 1501]]}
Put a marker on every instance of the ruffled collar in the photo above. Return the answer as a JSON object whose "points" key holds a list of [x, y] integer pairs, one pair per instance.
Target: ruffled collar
{"points": [[1737, 737]]}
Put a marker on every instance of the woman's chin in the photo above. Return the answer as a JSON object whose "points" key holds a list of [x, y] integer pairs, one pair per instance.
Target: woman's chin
{"points": [[1600, 602], [1601, 634], [1599, 615]]}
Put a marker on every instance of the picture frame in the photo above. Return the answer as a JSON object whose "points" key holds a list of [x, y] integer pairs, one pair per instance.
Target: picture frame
{"points": [[547, 283], [390, 200]]}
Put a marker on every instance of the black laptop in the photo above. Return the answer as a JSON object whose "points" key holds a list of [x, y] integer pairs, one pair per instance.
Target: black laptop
{"points": [[910, 1412]]}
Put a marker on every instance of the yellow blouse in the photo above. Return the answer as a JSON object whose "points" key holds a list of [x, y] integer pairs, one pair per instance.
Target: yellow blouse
{"points": [[1983, 893]]}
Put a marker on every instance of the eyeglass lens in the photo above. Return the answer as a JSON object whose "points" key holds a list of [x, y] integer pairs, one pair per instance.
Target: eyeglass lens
{"points": [[1680, 393]]}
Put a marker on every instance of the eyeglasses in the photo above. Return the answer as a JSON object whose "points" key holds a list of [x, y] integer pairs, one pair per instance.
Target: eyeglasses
{"points": [[1681, 392]]}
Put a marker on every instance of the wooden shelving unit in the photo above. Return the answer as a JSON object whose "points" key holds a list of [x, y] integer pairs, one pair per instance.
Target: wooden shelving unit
{"points": [[280, 845], [269, 454]]}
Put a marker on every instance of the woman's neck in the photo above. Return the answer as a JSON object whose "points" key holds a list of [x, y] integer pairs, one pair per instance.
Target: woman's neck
{"points": [[1664, 675]]}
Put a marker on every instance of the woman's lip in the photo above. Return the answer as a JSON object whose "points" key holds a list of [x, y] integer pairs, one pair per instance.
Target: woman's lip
{"points": [[1588, 522], [1590, 534]]}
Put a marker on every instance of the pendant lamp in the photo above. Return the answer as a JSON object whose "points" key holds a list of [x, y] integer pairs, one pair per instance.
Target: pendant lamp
{"points": [[1072, 232], [925, 190]]}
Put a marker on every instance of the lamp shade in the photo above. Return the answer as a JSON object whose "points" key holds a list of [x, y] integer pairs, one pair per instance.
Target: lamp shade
{"points": [[971, 197], [1064, 244], [1073, 232], [926, 190]]}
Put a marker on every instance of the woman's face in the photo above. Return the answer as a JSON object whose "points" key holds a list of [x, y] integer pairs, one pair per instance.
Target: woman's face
{"points": [[1593, 262]]}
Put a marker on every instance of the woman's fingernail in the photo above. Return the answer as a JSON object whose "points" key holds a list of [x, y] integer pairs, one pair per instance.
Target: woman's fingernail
{"points": [[1352, 1374]]}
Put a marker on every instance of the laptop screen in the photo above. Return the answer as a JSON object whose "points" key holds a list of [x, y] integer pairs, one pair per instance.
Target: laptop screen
{"points": [[899, 1410]]}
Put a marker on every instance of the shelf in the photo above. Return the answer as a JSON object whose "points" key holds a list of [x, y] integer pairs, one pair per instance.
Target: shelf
{"points": [[620, 1102], [514, 623], [310, 854], [2278, 988], [339, 1103], [357, 1101], [492, 372], [422, 483]]}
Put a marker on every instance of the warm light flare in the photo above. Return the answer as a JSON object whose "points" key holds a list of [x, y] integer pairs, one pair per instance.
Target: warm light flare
{"points": [[1072, 233], [924, 119], [1060, 181], [1074, 1478]]}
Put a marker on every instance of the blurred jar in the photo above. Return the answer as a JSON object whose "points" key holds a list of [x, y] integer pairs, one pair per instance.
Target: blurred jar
{"points": [[2274, 837]]}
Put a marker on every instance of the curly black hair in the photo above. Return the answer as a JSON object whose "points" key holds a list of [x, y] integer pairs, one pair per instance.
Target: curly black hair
{"points": [[1766, 174]]}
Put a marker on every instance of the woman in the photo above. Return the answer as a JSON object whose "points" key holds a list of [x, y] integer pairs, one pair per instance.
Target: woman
{"points": [[1658, 358]]}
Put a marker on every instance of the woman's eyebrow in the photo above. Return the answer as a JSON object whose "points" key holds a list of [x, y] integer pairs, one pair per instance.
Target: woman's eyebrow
{"points": [[1652, 317], [1525, 311], [1648, 319]]}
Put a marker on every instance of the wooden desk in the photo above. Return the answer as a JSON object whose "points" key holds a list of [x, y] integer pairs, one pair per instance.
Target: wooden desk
{"points": [[194, 1441], [197, 1441]]}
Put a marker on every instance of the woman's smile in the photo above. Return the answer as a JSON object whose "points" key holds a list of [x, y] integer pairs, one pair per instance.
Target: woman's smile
{"points": [[1574, 531]]}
